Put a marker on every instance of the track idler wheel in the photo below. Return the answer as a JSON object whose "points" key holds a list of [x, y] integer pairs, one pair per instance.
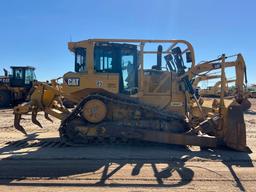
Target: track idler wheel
{"points": [[94, 111]]}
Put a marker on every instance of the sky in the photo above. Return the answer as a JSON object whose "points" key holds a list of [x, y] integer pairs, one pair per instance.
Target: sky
{"points": [[36, 33]]}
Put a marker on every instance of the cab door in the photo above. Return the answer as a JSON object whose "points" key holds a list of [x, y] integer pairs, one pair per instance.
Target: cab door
{"points": [[117, 60]]}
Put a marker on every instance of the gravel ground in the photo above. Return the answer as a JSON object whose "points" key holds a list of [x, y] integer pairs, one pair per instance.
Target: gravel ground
{"points": [[40, 163]]}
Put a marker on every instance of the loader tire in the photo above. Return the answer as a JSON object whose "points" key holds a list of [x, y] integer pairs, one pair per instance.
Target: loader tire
{"points": [[5, 98]]}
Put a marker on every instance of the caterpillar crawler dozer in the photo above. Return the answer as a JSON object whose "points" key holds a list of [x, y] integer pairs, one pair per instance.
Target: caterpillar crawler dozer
{"points": [[138, 90]]}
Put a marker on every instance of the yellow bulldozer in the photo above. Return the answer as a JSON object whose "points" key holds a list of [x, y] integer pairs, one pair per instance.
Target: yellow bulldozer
{"points": [[132, 89], [215, 90], [15, 87], [208, 73]]}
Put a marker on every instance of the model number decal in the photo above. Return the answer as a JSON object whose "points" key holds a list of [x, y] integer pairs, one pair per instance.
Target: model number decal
{"points": [[73, 81], [176, 104]]}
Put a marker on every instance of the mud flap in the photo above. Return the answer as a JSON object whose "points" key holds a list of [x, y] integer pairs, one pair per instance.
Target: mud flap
{"points": [[235, 131]]}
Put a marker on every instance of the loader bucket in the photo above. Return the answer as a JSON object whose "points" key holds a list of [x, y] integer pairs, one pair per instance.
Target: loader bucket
{"points": [[235, 131]]}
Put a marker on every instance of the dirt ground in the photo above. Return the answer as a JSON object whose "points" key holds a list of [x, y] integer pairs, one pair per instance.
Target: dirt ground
{"points": [[39, 162]]}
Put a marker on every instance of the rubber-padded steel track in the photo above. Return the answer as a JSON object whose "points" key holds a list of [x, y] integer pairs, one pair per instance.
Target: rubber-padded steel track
{"points": [[151, 118]]}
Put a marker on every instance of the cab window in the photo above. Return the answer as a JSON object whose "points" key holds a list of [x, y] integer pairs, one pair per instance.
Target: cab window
{"points": [[128, 70], [18, 74], [103, 59], [80, 60], [29, 76]]}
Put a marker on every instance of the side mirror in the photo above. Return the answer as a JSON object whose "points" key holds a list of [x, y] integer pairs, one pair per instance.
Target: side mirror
{"points": [[188, 57]]}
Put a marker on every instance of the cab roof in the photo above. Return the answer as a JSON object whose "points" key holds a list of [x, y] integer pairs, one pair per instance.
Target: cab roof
{"points": [[22, 67]]}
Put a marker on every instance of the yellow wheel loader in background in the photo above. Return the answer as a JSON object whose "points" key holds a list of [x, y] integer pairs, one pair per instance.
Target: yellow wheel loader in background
{"points": [[126, 89], [15, 87], [215, 90]]}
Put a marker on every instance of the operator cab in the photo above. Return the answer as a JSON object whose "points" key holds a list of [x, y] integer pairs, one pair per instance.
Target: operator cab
{"points": [[112, 58], [22, 76], [115, 66]]}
